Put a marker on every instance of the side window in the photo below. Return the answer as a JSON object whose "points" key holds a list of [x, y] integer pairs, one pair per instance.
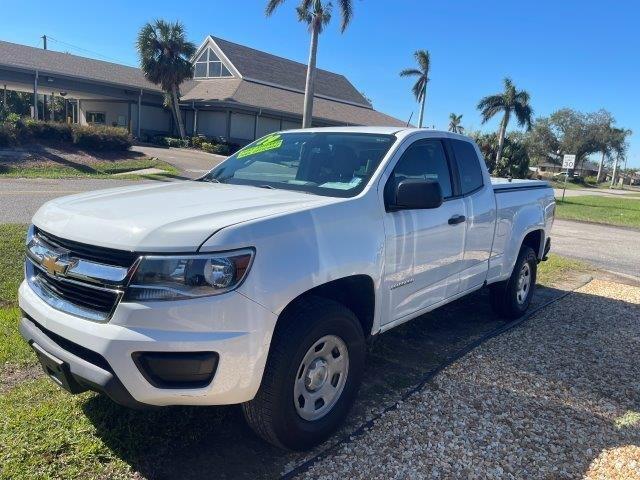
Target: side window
{"points": [[468, 166], [425, 159]]}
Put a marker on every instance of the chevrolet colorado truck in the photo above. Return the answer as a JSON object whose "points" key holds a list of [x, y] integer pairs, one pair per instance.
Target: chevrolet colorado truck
{"points": [[263, 282]]}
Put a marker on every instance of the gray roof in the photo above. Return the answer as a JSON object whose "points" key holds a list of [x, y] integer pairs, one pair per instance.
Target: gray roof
{"points": [[258, 95], [268, 68], [283, 93], [49, 61]]}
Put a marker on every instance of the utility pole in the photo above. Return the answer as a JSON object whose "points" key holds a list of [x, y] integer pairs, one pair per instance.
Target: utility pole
{"points": [[44, 97]]}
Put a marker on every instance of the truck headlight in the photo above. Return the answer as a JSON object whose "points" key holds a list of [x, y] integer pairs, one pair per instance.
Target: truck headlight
{"points": [[160, 277]]}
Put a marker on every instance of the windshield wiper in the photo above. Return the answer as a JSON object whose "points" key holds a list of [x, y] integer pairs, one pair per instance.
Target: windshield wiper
{"points": [[210, 180], [270, 187]]}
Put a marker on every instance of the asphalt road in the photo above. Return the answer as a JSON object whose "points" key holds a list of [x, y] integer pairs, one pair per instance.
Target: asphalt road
{"points": [[579, 192], [610, 248]]}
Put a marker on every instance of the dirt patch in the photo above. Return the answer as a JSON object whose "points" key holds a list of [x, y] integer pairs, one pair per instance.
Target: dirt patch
{"points": [[12, 375], [59, 154]]}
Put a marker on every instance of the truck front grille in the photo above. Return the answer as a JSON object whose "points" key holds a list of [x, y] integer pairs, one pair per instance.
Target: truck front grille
{"points": [[76, 278], [108, 256], [101, 300]]}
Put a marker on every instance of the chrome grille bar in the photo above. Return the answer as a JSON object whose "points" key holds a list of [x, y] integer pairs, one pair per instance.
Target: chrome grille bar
{"points": [[77, 286]]}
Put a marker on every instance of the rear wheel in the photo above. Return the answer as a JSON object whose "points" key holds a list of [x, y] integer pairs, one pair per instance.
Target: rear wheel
{"points": [[312, 375], [511, 299]]}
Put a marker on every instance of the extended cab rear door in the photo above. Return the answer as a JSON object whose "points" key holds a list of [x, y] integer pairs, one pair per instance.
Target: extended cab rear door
{"points": [[480, 206], [423, 248]]}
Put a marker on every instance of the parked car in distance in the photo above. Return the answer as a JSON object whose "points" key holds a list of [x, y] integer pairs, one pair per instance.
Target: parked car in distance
{"points": [[262, 282]]}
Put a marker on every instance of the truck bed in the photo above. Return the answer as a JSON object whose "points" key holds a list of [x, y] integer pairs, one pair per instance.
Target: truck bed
{"points": [[505, 184]]}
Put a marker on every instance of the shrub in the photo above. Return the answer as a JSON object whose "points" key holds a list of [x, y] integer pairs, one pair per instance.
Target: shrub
{"points": [[591, 180], [8, 134], [96, 137], [12, 118], [217, 148], [577, 180], [197, 141], [169, 141]]}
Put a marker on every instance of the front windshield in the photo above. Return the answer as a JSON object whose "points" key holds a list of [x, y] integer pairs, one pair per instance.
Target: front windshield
{"points": [[326, 163]]}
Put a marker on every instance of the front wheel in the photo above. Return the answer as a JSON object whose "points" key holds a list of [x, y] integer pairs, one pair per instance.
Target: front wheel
{"points": [[312, 375], [511, 299]]}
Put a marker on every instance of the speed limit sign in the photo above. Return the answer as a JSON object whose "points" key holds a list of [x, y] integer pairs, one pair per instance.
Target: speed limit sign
{"points": [[568, 162]]}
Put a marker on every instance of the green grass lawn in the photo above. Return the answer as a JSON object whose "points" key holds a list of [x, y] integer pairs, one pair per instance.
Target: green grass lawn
{"points": [[47, 433], [13, 351], [608, 210], [556, 269], [103, 169]]}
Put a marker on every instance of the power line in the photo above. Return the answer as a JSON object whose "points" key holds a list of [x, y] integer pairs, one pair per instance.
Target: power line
{"points": [[70, 45]]}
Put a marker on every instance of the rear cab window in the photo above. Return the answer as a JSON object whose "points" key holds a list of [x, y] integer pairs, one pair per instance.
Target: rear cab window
{"points": [[468, 166]]}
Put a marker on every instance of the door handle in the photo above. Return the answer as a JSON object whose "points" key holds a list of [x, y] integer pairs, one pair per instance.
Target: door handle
{"points": [[456, 219]]}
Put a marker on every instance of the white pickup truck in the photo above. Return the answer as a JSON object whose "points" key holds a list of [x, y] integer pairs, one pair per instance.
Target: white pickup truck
{"points": [[262, 282]]}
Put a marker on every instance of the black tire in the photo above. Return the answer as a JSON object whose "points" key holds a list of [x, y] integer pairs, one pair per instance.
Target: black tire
{"points": [[272, 413], [504, 295]]}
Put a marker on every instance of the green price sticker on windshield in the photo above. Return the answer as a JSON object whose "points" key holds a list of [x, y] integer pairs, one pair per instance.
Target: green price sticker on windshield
{"points": [[270, 142]]}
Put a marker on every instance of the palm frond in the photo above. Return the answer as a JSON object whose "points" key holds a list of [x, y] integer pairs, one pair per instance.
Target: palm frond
{"points": [[418, 88], [524, 114], [346, 10], [491, 101], [271, 6], [424, 60], [410, 72]]}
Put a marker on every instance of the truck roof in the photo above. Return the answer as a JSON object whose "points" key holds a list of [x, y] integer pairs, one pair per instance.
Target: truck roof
{"points": [[380, 130]]}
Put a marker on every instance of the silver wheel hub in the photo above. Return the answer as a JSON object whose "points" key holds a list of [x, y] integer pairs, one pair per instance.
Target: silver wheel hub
{"points": [[321, 377], [317, 374], [524, 284]]}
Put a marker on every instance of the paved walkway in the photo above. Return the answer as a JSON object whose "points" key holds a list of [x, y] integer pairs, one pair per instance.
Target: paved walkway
{"points": [[193, 163]]}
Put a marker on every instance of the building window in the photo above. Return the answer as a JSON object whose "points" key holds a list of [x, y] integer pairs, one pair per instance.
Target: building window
{"points": [[97, 117], [208, 65]]}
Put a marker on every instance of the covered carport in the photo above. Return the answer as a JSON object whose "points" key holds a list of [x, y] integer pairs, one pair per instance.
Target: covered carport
{"points": [[94, 91]]}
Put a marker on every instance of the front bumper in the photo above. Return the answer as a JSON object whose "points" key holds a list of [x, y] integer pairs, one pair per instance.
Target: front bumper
{"points": [[236, 328]]}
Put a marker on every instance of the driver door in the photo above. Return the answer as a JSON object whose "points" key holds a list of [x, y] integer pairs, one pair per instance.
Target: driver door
{"points": [[423, 248]]}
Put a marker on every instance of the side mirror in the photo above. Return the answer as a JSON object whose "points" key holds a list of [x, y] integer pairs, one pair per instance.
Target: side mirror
{"points": [[413, 194]]}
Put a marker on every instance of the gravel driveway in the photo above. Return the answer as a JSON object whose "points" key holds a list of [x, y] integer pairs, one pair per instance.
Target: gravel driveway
{"points": [[557, 397]]}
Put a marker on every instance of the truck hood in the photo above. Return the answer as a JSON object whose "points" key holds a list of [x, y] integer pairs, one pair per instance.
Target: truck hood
{"points": [[169, 217]]}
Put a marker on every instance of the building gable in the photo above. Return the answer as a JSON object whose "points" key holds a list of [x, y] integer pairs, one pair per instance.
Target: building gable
{"points": [[261, 67]]}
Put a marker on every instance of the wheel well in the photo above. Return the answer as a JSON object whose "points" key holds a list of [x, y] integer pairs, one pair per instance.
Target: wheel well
{"points": [[355, 292], [534, 240]]}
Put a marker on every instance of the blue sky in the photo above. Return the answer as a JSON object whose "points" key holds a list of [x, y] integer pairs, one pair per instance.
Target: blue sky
{"points": [[579, 54]]}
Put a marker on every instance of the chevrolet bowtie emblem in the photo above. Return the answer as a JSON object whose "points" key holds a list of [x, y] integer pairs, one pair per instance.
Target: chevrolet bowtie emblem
{"points": [[54, 265]]}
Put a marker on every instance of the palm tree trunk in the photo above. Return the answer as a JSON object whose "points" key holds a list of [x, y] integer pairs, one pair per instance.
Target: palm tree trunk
{"points": [[311, 78], [501, 134], [598, 178], [424, 99], [176, 111]]}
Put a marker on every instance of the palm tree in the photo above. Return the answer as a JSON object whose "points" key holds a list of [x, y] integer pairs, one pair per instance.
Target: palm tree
{"points": [[454, 123], [316, 15], [165, 59], [422, 72], [509, 101]]}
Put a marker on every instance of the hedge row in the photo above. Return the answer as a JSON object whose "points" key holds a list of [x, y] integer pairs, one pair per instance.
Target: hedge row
{"points": [[207, 144], [16, 131]]}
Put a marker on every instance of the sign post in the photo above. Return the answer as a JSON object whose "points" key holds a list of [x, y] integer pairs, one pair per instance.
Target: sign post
{"points": [[568, 163]]}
